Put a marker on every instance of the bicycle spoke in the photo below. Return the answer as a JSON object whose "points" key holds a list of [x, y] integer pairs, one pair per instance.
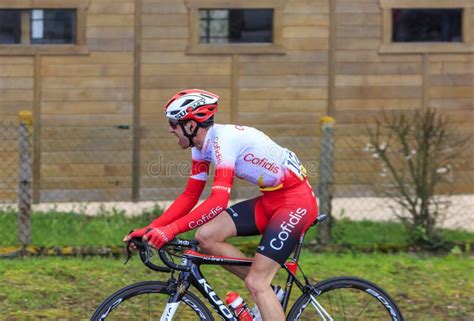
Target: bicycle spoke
{"points": [[330, 303], [151, 307], [149, 310], [342, 301], [365, 307]]}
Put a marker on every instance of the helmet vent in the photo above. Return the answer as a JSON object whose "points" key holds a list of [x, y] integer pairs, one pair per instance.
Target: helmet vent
{"points": [[187, 101]]}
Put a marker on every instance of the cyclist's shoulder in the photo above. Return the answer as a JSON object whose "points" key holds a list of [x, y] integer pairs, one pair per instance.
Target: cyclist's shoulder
{"points": [[231, 131]]}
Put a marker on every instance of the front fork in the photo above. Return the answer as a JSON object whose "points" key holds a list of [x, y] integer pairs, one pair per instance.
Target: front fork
{"points": [[177, 289], [313, 293]]}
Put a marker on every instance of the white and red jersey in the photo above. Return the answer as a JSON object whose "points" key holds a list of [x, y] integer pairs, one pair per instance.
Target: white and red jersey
{"points": [[235, 151], [251, 154]]}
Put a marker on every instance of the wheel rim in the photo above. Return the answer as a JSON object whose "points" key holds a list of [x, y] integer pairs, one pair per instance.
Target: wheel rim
{"points": [[149, 306], [347, 304]]}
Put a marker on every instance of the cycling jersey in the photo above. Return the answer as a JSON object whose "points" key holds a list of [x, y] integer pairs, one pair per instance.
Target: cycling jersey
{"points": [[235, 151], [251, 154]]}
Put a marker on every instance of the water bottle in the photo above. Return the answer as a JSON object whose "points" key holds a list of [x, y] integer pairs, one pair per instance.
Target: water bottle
{"points": [[238, 306], [279, 292]]}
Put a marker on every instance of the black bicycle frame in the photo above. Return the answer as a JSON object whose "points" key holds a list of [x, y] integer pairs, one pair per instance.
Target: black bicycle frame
{"points": [[195, 277]]}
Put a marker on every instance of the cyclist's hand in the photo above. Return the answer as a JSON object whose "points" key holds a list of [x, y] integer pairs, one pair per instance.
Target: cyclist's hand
{"points": [[139, 232], [159, 236]]}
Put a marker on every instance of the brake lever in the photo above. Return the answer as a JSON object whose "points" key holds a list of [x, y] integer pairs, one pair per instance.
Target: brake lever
{"points": [[129, 253], [147, 251], [142, 247]]}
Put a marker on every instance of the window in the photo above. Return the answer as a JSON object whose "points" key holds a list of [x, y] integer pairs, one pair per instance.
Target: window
{"points": [[236, 25], [28, 31], [53, 26], [427, 26], [10, 26]]}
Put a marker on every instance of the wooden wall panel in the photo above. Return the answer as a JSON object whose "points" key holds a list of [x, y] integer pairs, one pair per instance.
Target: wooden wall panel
{"points": [[276, 92], [84, 100], [87, 101], [165, 70], [16, 94], [367, 82]]}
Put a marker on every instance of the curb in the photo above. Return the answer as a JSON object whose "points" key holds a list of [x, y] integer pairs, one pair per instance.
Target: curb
{"points": [[75, 251], [247, 248]]}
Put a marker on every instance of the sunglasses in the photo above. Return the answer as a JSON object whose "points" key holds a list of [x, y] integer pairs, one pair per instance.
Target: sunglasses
{"points": [[173, 124]]}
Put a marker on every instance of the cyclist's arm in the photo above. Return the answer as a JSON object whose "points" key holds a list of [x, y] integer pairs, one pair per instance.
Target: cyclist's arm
{"points": [[225, 151], [189, 198], [214, 205]]}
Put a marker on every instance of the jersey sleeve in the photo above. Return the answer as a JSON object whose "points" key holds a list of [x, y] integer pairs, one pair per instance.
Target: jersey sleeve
{"points": [[211, 207], [190, 196], [225, 151]]}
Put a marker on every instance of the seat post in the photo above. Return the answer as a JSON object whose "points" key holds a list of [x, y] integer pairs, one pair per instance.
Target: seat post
{"points": [[298, 247], [291, 278]]}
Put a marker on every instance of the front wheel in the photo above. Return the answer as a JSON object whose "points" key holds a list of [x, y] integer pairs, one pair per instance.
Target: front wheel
{"points": [[345, 298], [147, 301]]}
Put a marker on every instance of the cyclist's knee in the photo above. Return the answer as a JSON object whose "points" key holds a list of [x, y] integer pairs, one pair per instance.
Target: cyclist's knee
{"points": [[207, 237], [215, 231], [256, 284]]}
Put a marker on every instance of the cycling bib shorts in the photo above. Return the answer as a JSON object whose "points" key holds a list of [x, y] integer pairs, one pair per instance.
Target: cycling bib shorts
{"points": [[280, 216]]}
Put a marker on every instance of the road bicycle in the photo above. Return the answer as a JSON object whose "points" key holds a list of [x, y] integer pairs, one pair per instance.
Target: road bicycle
{"points": [[338, 298]]}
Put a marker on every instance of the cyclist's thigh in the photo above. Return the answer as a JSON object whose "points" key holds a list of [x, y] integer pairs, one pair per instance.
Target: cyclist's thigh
{"points": [[220, 228], [285, 228]]}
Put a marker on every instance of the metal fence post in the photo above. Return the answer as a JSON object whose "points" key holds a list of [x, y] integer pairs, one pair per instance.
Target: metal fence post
{"points": [[326, 178], [24, 179]]}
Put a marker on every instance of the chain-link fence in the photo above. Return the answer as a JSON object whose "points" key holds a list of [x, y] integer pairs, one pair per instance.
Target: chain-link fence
{"points": [[360, 176], [91, 170], [9, 166], [86, 169], [15, 173]]}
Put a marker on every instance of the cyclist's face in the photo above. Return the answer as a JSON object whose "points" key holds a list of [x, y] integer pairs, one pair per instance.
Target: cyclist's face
{"points": [[175, 128]]}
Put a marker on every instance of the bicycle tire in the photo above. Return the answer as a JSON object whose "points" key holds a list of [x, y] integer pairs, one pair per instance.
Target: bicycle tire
{"points": [[361, 300], [118, 307]]}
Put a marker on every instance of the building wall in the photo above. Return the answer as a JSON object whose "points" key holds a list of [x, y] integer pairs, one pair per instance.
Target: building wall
{"points": [[368, 81], [283, 95], [99, 113]]}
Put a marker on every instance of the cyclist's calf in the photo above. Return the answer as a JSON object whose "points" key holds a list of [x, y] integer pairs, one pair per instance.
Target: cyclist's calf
{"points": [[258, 282]]}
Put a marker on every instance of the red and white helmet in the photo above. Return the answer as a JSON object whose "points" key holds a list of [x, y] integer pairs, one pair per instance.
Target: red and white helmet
{"points": [[195, 104]]}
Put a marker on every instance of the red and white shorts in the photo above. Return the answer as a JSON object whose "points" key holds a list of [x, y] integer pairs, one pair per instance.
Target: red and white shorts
{"points": [[281, 216]]}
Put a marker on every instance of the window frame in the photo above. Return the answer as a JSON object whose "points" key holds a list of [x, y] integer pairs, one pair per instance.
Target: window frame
{"points": [[25, 48], [195, 47], [388, 46]]}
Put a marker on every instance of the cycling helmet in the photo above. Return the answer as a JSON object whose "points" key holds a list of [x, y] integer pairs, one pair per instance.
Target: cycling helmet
{"points": [[191, 104]]}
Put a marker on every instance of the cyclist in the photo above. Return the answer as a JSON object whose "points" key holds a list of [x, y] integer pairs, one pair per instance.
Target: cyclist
{"points": [[285, 209]]}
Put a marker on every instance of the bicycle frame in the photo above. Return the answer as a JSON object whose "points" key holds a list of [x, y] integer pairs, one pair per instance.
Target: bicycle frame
{"points": [[194, 277], [190, 274]]}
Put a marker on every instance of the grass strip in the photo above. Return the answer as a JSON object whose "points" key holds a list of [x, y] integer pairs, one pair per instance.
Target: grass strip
{"points": [[59, 229], [425, 287]]}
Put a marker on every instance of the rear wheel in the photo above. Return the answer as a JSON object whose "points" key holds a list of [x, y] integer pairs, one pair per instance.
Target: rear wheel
{"points": [[345, 298], [147, 301]]}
